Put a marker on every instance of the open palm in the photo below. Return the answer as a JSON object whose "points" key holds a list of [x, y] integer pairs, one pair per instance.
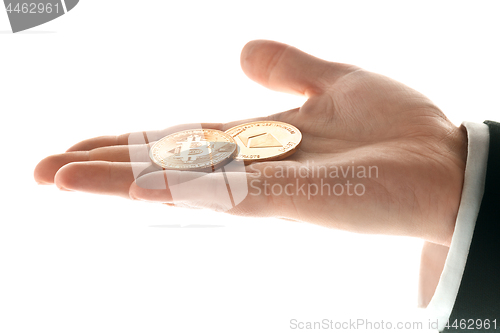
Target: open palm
{"points": [[376, 156]]}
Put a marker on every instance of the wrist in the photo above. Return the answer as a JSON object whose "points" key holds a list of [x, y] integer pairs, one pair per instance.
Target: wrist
{"points": [[458, 146]]}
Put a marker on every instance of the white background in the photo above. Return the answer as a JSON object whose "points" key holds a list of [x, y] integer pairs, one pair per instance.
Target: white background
{"points": [[76, 262]]}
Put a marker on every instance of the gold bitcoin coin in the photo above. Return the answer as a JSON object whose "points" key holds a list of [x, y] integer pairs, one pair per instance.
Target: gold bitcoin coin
{"points": [[197, 149], [265, 140]]}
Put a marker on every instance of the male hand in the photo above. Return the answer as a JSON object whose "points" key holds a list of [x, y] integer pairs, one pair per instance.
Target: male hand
{"points": [[352, 118]]}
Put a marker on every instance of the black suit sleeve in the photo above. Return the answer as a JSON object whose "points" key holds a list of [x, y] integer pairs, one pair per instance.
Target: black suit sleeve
{"points": [[478, 297]]}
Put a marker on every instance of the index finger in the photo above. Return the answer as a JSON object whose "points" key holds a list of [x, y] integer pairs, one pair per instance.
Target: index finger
{"points": [[123, 139], [152, 136]]}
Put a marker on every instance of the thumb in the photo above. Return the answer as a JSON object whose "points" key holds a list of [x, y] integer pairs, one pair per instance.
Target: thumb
{"points": [[281, 67]]}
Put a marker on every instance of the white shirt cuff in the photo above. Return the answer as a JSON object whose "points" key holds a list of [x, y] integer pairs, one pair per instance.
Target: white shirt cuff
{"points": [[441, 304]]}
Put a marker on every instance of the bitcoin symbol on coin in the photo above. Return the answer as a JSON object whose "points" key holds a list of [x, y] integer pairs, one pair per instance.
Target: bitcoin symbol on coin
{"points": [[201, 150], [185, 151]]}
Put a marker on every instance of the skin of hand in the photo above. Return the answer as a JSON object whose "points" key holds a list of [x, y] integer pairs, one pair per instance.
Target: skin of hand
{"points": [[352, 117], [431, 266]]}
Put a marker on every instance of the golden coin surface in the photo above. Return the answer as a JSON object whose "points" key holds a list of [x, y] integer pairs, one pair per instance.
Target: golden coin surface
{"points": [[194, 150], [265, 140]]}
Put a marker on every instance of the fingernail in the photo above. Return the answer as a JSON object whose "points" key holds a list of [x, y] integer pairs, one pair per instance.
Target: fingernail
{"points": [[133, 197], [65, 189]]}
